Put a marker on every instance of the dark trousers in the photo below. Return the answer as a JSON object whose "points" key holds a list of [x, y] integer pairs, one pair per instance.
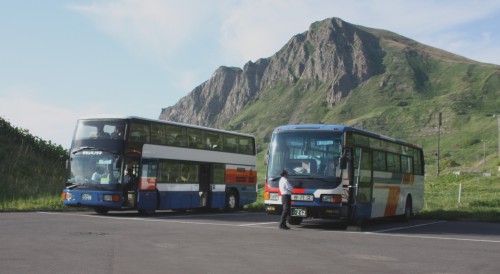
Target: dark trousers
{"points": [[286, 200]]}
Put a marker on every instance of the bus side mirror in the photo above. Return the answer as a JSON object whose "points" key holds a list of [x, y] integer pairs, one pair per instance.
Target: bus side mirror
{"points": [[67, 164], [343, 162], [266, 158]]}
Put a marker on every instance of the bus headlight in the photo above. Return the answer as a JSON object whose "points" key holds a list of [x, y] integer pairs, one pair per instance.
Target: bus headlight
{"points": [[111, 198], [68, 196], [331, 198]]}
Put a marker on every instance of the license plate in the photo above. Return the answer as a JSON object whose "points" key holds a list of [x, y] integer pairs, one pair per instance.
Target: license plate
{"points": [[301, 197], [86, 197], [299, 212]]}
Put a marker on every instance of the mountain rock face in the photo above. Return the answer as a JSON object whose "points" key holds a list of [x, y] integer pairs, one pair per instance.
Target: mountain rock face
{"points": [[340, 73], [332, 51]]}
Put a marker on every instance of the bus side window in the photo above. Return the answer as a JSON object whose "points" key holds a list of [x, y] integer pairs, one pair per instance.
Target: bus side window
{"points": [[213, 141], [230, 143], [158, 135], [139, 132], [245, 145], [177, 135]]}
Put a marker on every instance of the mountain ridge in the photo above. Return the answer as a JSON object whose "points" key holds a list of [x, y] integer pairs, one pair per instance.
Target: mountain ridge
{"points": [[338, 72]]}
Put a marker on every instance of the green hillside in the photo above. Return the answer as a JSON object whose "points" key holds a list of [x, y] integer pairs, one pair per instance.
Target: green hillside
{"points": [[32, 170], [403, 102]]}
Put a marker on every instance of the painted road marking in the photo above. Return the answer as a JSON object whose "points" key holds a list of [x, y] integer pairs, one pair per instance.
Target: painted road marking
{"points": [[155, 220], [433, 238], [406, 227], [259, 225]]}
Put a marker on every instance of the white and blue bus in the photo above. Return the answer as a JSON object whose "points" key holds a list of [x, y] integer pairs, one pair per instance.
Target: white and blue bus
{"points": [[120, 163], [341, 172]]}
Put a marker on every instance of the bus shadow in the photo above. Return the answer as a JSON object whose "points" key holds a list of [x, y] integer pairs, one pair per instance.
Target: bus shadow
{"points": [[436, 228], [205, 215]]}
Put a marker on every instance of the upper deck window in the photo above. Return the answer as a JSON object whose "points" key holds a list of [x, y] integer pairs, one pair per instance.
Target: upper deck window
{"points": [[100, 129]]}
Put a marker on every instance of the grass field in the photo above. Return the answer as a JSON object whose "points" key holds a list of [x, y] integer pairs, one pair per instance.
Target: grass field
{"points": [[462, 197], [479, 199], [449, 197]]}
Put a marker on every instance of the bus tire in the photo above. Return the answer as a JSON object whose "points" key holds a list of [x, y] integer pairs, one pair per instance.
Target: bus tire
{"points": [[294, 220], [408, 210], [101, 210], [232, 200]]}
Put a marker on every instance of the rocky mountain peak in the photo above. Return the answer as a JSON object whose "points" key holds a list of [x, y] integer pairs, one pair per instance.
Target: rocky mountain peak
{"points": [[331, 51]]}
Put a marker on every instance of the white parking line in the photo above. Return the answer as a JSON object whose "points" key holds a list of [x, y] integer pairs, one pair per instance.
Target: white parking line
{"points": [[256, 224], [433, 238], [406, 227], [260, 225], [381, 232], [156, 220]]}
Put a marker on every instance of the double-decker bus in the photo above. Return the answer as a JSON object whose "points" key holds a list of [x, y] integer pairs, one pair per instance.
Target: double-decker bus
{"points": [[120, 163], [341, 172]]}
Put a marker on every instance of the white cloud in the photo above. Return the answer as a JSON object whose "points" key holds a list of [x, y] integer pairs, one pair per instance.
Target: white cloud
{"points": [[154, 28], [44, 120], [174, 33], [47, 122], [258, 28]]}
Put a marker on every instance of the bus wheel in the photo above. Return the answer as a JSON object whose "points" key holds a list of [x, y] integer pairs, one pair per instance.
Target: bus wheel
{"points": [[101, 210], [294, 220], [232, 200], [408, 210]]}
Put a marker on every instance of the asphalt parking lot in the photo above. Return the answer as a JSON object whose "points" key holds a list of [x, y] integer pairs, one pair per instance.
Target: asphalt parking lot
{"points": [[243, 242]]}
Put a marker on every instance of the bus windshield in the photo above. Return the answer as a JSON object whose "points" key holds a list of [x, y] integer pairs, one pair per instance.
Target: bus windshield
{"points": [[311, 154], [90, 167], [100, 129]]}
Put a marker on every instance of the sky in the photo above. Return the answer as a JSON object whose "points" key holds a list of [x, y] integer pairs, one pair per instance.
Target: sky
{"points": [[65, 59]]}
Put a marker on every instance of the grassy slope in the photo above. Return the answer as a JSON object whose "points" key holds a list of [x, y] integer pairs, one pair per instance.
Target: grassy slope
{"points": [[404, 102], [33, 170]]}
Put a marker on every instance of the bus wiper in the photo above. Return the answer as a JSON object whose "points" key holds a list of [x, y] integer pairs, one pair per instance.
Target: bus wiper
{"points": [[71, 185], [82, 149], [274, 179], [92, 148]]}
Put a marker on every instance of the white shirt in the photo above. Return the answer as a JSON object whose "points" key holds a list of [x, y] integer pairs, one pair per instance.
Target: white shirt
{"points": [[285, 186], [96, 176]]}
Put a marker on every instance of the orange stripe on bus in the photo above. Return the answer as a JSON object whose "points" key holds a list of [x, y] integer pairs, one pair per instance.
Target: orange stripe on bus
{"points": [[392, 199], [147, 184], [408, 179], [241, 176]]}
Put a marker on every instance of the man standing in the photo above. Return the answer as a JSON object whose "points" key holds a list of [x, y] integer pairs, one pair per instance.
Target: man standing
{"points": [[286, 197]]}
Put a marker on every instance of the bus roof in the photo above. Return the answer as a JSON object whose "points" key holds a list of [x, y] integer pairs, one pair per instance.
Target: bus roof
{"points": [[136, 118], [339, 128]]}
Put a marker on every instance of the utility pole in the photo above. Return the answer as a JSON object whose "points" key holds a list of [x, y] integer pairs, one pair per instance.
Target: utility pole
{"points": [[484, 152], [439, 137], [498, 117], [498, 136]]}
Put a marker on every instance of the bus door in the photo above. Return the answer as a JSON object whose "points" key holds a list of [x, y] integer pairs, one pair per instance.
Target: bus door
{"points": [[218, 186], [147, 195], [363, 183], [205, 191], [130, 181]]}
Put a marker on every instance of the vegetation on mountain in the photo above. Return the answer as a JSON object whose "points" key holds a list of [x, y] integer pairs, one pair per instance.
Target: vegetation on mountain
{"points": [[374, 79]]}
